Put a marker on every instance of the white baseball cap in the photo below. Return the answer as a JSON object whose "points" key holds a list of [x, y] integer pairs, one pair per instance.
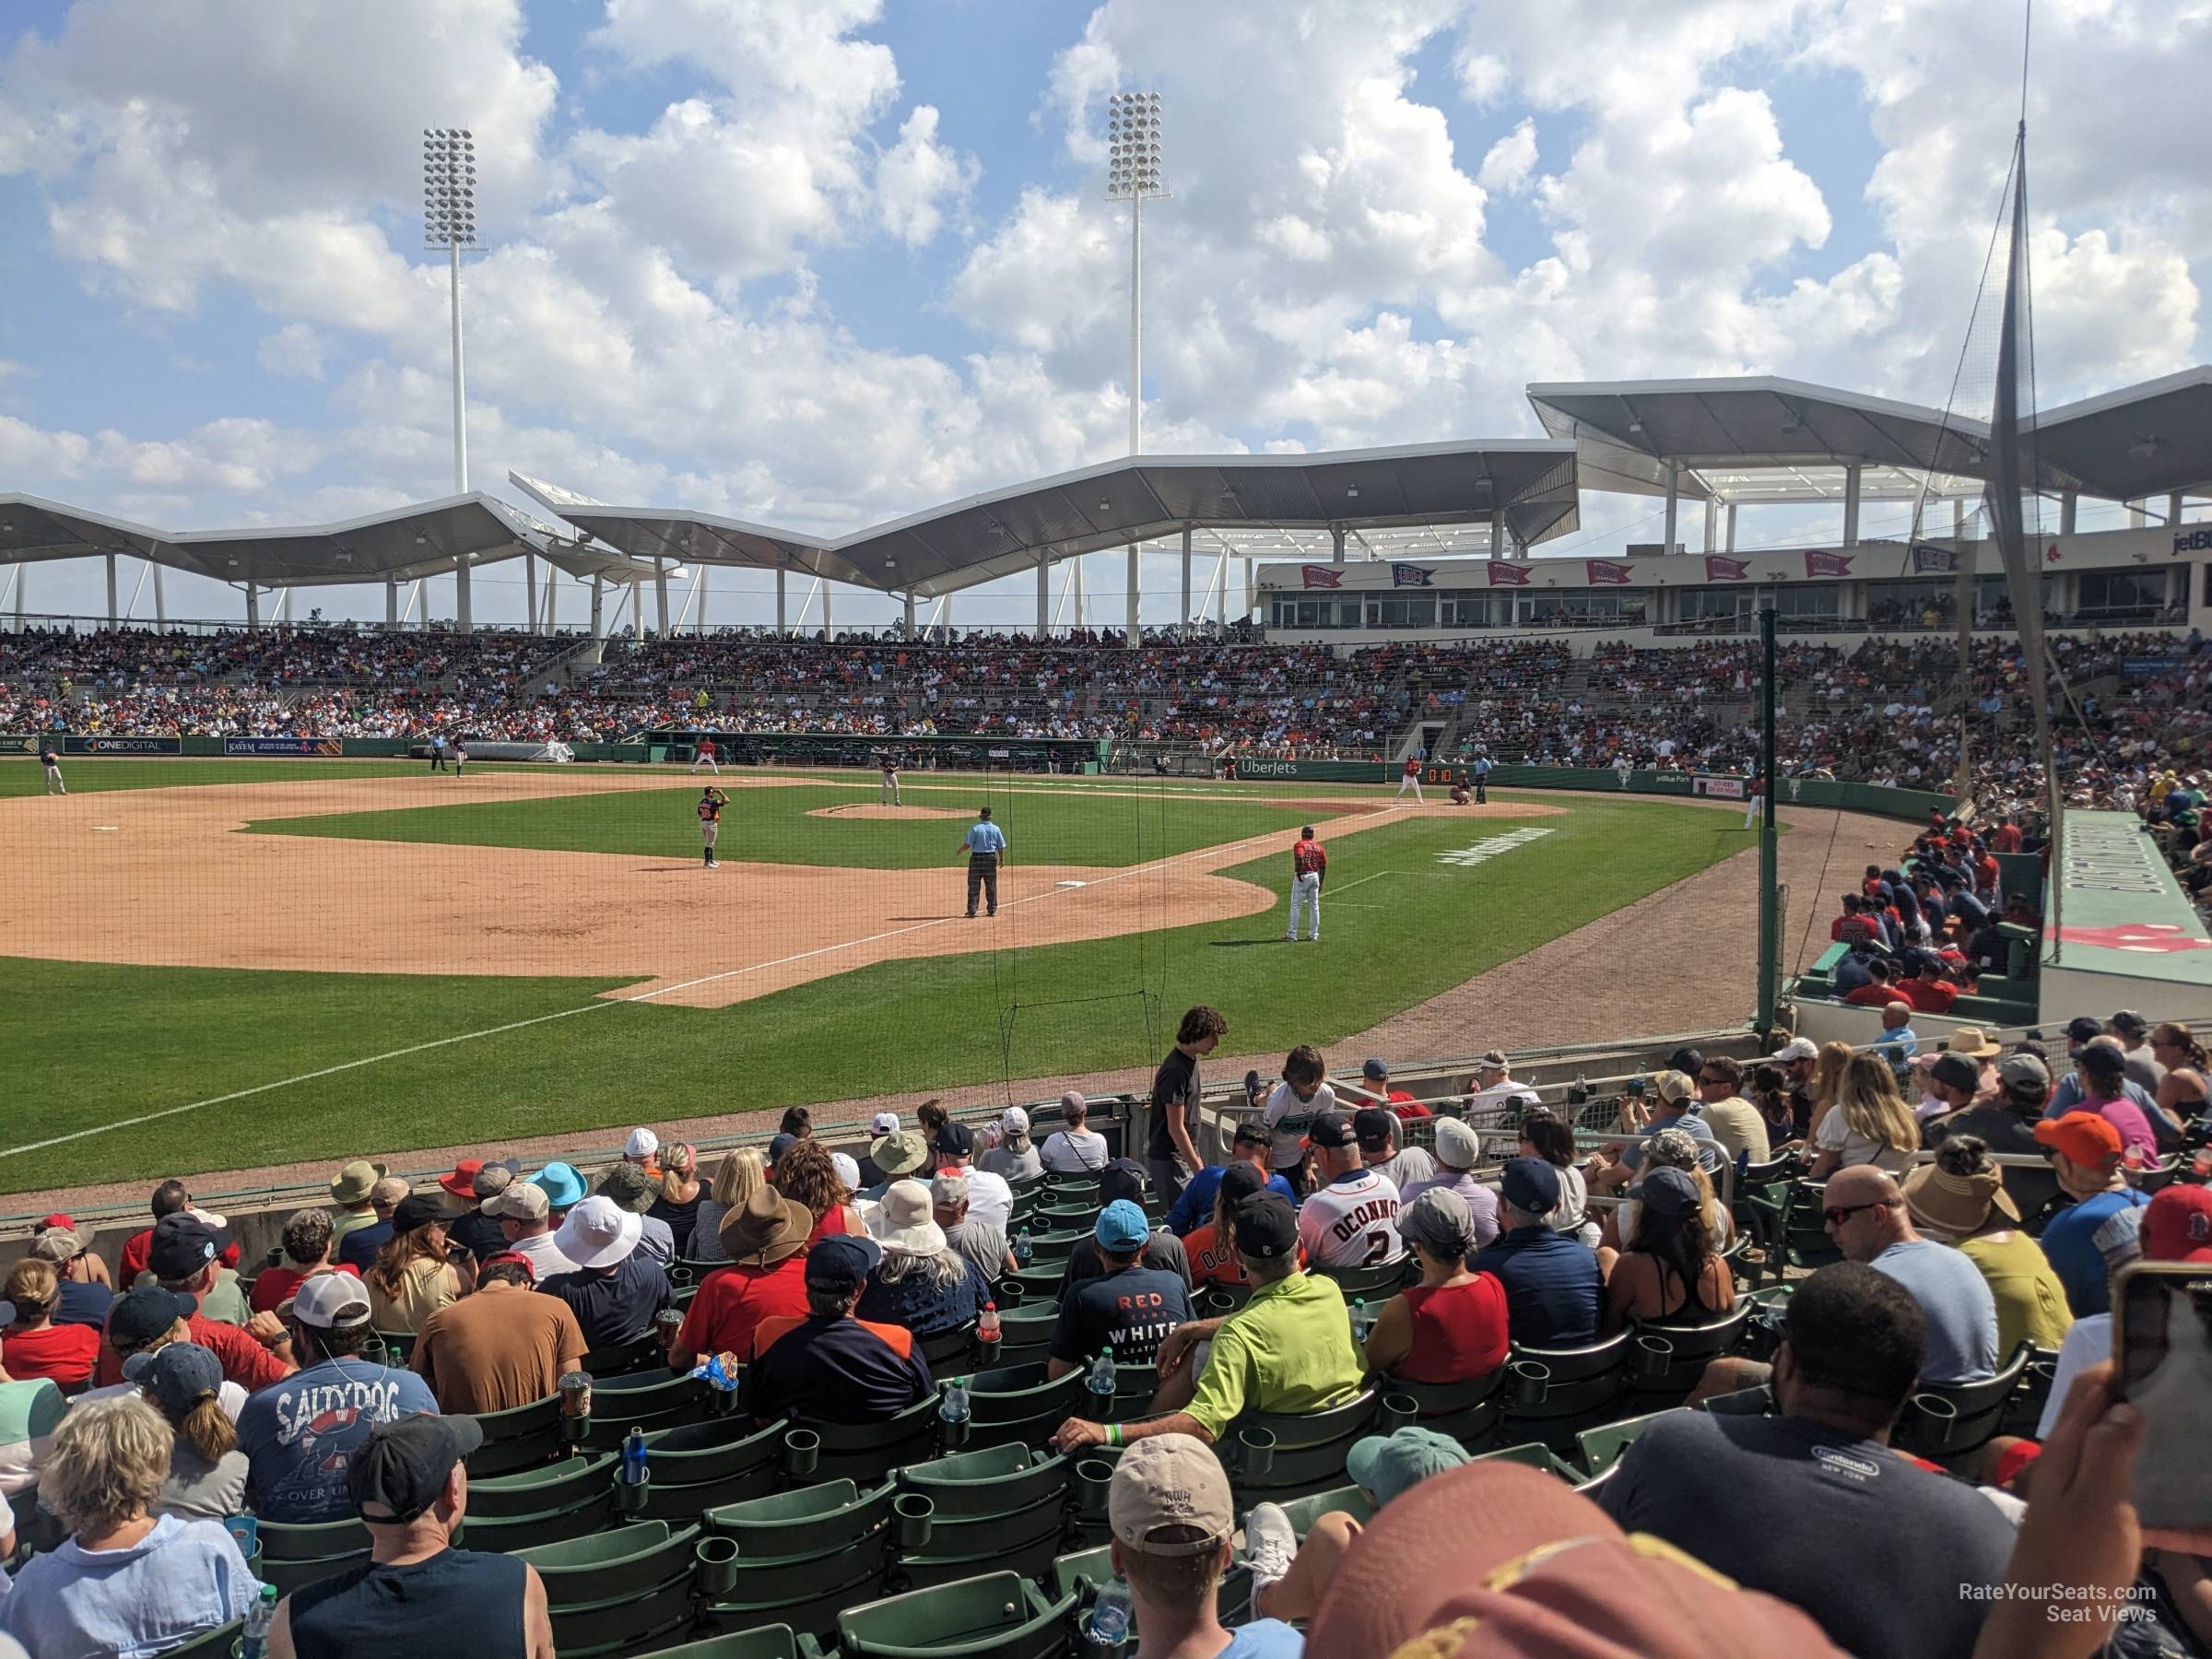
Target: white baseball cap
{"points": [[1013, 1121], [1797, 1048], [847, 1168], [329, 1301], [884, 1123], [599, 1233], [642, 1143]]}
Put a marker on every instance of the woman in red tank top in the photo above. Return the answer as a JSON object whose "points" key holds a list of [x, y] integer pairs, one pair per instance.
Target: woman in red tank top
{"points": [[1452, 1327], [804, 1175]]}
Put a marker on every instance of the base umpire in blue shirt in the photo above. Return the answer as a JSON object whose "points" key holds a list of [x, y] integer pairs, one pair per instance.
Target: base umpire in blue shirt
{"points": [[985, 845]]}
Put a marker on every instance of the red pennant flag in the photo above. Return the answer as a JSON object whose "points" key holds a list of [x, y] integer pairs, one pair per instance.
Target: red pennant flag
{"points": [[1828, 564], [1508, 575], [1322, 576], [1718, 569], [1604, 572]]}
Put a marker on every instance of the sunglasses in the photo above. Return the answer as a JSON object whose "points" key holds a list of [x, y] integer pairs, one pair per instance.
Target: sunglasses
{"points": [[1836, 1215]]}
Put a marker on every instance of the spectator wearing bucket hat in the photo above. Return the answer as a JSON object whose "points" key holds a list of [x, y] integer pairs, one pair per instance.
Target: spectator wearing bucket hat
{"points": [[504, 1345], [616, 1289], [894, 1156], [1553, 1289], [1123, 1178], [299, 1434], [1128, 1310], [635, 1188], [922, 1282], [360, 1248], [416, 1593], [829, 1366], [563, 1186], [1960, 1199], [1458, 1150], [1172, 1519], [2085, 1152], [766, 1243], [1288, 1577], [350, 1191], [473, 1182]]}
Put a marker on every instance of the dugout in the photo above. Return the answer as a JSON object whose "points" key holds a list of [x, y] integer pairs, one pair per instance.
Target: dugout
{"points": [[963, 752]]}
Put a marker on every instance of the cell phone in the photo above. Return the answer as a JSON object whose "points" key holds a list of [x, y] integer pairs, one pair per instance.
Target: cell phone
{"points": [[2162, 1339], [1636, 1089]]}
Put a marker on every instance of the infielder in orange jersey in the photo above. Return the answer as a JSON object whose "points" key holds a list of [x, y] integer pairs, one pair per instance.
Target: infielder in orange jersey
{"points": [[1410, 779], [1308, 864]]}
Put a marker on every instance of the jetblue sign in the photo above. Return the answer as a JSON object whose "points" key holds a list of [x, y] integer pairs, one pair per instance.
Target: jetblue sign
{"points": [[2192, 541]]}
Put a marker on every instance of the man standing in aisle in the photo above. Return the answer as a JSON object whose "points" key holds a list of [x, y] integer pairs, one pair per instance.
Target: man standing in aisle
{"points": [[1172, 1146], [1308, 864], [985, 845]]}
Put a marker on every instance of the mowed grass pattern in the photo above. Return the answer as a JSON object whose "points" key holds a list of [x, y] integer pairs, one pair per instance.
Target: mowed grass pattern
{"points": [[94, 1044]]}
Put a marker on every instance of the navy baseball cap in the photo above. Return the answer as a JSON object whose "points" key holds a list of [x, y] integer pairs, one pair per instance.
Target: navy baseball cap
{"points": [[842, 1262], [1240, 1182], [781, 1145], [1123, 1178], [954, 1140], [1333, 1129], [1265, 1226], [1372, 1125], [1530, 1186], [140, 1316], [182, 1245]]}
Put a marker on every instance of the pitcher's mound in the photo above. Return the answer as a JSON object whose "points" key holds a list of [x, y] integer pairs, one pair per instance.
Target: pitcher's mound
{"points": [[871, 810]]}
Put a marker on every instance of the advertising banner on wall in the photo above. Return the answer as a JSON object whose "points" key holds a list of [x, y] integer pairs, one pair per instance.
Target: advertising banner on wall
{"points": [[123, 746], [328, 748], [1727, 789]]}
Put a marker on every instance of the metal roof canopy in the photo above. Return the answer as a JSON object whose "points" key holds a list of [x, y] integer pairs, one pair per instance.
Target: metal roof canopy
{"points": [[1138, 499], [1736, 427], [2150, 439], [430, 538]]}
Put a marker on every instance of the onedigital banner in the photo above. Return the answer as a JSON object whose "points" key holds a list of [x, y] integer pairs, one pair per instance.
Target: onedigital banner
{"points": [[328, 748], [123, 746]]}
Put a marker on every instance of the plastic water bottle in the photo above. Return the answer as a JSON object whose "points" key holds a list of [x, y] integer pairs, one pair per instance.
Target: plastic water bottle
{"points": [[1023, 1248], [1108, 1626], [1101, 1386], [633, 1457], [254, 1642], [1360, 1323], [986, 1324], [954, 1407]]}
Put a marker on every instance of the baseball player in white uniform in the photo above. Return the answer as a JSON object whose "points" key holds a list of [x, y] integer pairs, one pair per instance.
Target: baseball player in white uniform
{"points": [[1309, 864], [1410, 779], [52, 763], [704, 756], [887, 790], [1755, 788]]}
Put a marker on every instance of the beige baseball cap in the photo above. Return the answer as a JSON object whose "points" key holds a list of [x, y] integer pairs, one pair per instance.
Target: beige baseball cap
{"points": [[523, 1200], [1172, 1484]]}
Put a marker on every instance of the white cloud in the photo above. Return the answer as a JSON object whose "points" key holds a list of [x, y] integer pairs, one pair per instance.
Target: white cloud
{"points": [[1508, 162], [919, 181], [294, 352]]}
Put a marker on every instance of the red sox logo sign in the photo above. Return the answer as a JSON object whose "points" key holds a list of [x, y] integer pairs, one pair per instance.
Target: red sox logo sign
{"points": [[2158, 939]]}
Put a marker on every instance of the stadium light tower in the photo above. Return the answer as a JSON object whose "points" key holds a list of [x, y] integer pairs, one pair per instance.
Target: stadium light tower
{"points": [[1133, 173], [449, 221]]}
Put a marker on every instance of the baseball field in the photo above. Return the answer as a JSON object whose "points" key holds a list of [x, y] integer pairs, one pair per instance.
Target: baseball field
{"points": [[223, 965]]}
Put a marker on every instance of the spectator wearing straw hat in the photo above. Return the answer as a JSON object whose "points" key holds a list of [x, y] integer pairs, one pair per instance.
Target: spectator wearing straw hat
{"points": [[922, 1283], [1960, 1199], [350, 1190], [766, 1243], [360, 1248]]}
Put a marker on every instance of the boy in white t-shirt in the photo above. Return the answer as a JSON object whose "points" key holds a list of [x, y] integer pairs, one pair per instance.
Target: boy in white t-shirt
{"points": [[1301, 1097]]}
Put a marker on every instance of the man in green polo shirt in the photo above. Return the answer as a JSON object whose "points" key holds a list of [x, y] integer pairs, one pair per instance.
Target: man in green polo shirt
{"points": [[1287, 1349]]}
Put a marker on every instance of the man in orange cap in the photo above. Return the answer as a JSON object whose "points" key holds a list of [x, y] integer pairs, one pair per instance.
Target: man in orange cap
{"points": [[2098, 1227]]}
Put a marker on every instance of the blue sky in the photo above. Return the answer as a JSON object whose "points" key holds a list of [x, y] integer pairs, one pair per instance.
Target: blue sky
{"points": [[819, 263]]}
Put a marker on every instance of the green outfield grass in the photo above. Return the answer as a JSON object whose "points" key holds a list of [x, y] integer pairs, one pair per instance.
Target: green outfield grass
{"points": [[93, 774], [100, 1044], [1093, 827]]}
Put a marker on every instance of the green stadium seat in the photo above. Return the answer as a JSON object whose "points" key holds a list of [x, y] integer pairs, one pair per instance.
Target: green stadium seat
{"points": [[1467, 1411], [867, 1452], [532, 1491], [620, 1590], [1039, 1283], [769, 1642], [398, 1346], [642, 1353], [295, 1553], [998, 1616], [1025, 1330], [1373, 1285], [648, 1400], [1948, 1421], [1016, 1406], [1669, 1358], [1003, 1507], [2024, 1407], [504, 1534], [802, 1555], [1303, 1512], [1309, 1450], [1790, 1220], [1537, 1455], [1600, 1447], [700, 1466], [1059, 1227], [1073, 1189], [1557, 1393], [218, 1643], [1083, 1572], [949, 1353], [523, 1438]]}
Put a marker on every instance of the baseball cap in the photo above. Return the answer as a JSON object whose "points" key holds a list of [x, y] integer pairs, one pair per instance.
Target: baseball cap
{"points": [[2101, 1059], [1123, 1178], [1265, 1226], [140, 1316], [954, 1140], [495, 1178], [1306, 831], [328, 1301], [388, 1191], [1013, 1121], [177, 1374], [1440, 1220], [58, 1244], [642, 1143], [1374, 1066], [1372, 1126], [884, 1123], [848, 1170], [2129, 1023], [2080, 1029], [1391, 1464], [1333, 1129], [1673, 1085], [401, 1470], [182, 1246], [1957, 1071], [779, 1145], [525, 1201], [1120, 1228], [1797, 1048], [2020, 1071], [2177, 1225], [1667, 1191], [1252, 1134], [507, 1258], [842, 1262], [414, 1211], [1169, 1484], [1530, 1186], [2084, 1136], [1457, 1145], [1499, 1559], [1239, 1181], [901, 1152]]}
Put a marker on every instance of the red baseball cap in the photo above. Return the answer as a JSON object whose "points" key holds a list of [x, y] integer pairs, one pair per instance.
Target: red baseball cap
{"points": [[2177, 1225], [1498, 1560], [2085, 1136]]}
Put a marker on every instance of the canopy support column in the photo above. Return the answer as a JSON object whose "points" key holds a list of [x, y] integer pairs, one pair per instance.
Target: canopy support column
{"points": [[1131, 641], [909, 613], [1731, 527], [253, 608], [464, 612], [1044, 595], [1713, 521], [2069, 507], [826, 635], [1337, 537], [111, 617], [2173, 508], [598, 607], [780, 574], [1673, 493], [529, 592], [1850, 504], [1186, 628], [660, 588], [161, 604]]}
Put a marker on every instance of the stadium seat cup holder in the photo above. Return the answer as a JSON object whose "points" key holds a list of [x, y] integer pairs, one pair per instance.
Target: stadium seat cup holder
{"points": [[630, 1495], [1009, 1294], [1255, 1451], [1092, 1480], [952, 1435], [1939, 1418], [717, 1566], [1399, 1411], [1531, 1381], [1654, 1356], [801, 1451], [913, 1516]]}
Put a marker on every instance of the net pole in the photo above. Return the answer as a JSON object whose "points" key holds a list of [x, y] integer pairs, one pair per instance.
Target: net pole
{"points": [[1770, 920]]}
